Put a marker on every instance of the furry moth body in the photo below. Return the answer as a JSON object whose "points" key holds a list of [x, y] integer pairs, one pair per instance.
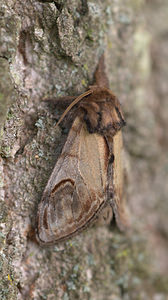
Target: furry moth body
{"points": [[88, 174]]}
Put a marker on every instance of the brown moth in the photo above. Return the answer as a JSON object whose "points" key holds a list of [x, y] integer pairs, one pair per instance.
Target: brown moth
{"points": [[87, 177]]}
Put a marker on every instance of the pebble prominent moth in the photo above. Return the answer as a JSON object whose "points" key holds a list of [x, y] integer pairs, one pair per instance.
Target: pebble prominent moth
{"points": [[87, 177]]}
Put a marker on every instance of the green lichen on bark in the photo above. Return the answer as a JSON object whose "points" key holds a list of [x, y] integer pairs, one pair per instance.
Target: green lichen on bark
{"points": [[6, 91]]}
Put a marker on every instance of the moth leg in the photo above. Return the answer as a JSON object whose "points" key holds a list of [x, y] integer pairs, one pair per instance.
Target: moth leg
{"points": [[60, 101]]}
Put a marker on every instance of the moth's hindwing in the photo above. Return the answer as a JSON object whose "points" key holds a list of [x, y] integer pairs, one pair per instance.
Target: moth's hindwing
{"points": [[116, 183], [77, 188]]}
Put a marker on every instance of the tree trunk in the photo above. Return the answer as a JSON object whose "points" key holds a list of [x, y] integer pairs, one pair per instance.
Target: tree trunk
{"points": [[51, 49]]}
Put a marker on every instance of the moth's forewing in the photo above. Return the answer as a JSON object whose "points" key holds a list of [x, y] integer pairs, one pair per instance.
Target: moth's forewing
{"points": [[77, 188], [116, 181]]}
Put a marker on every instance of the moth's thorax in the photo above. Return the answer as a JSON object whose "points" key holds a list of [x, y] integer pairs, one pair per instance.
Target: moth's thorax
{"points": [[102, 113]]}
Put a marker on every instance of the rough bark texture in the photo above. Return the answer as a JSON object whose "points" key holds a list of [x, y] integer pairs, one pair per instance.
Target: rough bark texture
{"points": [[51, 49]]}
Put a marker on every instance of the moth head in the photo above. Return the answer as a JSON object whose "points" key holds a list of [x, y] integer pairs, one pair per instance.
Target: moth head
{"points": [[102, 113]]}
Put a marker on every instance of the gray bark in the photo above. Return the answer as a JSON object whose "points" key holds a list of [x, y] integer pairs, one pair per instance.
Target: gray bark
{"points": [[51, 49]]}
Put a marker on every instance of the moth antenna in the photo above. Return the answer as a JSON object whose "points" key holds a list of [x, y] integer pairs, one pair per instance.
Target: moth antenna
{"points": [[72, 104]]}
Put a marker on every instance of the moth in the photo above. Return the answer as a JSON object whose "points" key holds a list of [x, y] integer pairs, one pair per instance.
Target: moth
{"points": [[87, 178]]}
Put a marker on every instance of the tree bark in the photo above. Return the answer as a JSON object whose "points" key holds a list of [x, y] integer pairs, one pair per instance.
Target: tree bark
{"points": [[48, 50]]}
